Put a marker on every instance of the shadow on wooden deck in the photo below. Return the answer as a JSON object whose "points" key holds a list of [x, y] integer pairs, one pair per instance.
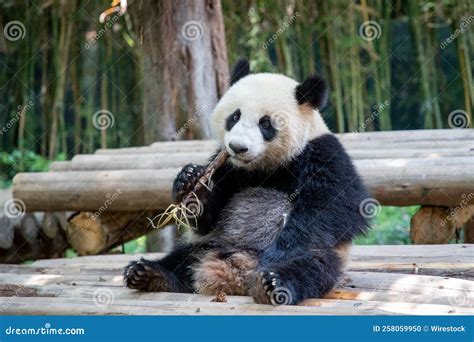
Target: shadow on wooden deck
{"points": [[380, 280]]}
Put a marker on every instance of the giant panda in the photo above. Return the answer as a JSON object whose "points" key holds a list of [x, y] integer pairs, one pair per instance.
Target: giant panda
{"points": [[283, 210]]}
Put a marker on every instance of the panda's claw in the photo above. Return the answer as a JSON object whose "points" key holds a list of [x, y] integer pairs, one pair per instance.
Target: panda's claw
{"points": [[186, 179], [266, 288], [141, 275]]}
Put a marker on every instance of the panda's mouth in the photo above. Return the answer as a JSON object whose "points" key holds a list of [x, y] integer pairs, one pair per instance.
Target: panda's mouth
{"points": [[238, 160], [241, 160]]}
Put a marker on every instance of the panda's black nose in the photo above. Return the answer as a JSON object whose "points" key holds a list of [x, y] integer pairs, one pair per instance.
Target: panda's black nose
{"points": [[238, 149]]}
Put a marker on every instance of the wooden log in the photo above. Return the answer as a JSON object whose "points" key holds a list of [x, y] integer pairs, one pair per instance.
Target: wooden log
{"points": [[60, 166], [6, 232], [50, 225], [437, 225], [88, 191], [93, 233], [40, 248], [464, 151], [208, 146], [87, 162], [94, 162], [354, 148], [24, 238], [28, 227], [388, 138], [411, 135], [151, 189]]}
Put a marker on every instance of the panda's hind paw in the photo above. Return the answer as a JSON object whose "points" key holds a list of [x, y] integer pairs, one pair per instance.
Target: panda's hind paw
{"points": [[268, 288], [143, 275]]}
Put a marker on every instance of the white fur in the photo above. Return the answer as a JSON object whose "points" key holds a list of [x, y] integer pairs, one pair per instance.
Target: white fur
{"points": [[257, 95]]}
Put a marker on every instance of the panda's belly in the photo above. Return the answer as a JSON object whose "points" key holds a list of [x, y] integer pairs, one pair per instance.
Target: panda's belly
{"points": [[253, 218]]}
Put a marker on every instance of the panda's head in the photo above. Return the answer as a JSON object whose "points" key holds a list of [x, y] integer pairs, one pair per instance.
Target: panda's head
{"points": [[264, 120]]}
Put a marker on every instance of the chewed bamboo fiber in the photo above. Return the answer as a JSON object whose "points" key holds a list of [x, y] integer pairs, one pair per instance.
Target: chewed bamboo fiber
{"points": [[180, 213]]}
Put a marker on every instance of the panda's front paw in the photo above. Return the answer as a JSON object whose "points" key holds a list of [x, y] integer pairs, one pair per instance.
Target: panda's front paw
{"points": [[186, 180], [144, 275], [268, 288]]}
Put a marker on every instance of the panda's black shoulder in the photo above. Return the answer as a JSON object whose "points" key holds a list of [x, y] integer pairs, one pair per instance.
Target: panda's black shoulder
{"points": [[325, 161], [326, 151]]}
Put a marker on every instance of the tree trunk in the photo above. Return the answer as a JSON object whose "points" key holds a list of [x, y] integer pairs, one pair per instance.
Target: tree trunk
{"points": [[184, 65], [66, 30], [185, 68]]}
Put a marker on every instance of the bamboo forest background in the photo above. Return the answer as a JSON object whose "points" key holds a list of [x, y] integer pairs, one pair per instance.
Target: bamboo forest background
{"points": [[391, 65]]}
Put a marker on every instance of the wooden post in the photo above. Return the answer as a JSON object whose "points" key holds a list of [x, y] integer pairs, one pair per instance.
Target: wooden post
{"points": [[437, 225], [469, 231], [90, 233]]}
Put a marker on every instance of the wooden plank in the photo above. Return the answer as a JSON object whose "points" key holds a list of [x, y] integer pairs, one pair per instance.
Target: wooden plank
{"points": [[454, 260], [73, 286], [82, 306], [354, 285]]}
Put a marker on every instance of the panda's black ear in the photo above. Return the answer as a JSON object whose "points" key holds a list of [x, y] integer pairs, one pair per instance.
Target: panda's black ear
{"points": [[241, 69], [314, 91]]}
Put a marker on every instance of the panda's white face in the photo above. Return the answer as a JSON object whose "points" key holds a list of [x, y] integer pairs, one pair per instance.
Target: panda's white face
{"points": [[260, 124]]}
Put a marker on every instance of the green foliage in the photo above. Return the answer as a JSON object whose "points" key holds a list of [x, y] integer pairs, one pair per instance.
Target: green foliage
{"points": [[12, 163], [70, 253], [390, 227], [136, 246]]}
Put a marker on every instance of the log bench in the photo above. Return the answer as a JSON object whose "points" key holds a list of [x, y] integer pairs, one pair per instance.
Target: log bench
{"points": [[110, 194], [380, 280]]}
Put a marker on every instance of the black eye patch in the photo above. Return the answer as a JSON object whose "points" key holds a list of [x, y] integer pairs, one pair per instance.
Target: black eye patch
{"points": [[268, 131], [232, 120]]}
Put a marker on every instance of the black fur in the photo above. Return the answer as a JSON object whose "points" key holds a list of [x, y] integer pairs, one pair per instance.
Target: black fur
{"points": [[325, 192], [268, 131], [186, 180], [241, 69], [313, 91], [232, 119]]}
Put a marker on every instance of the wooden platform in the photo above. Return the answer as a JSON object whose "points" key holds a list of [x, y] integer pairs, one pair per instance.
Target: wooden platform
{"points": [[380, 280]]}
